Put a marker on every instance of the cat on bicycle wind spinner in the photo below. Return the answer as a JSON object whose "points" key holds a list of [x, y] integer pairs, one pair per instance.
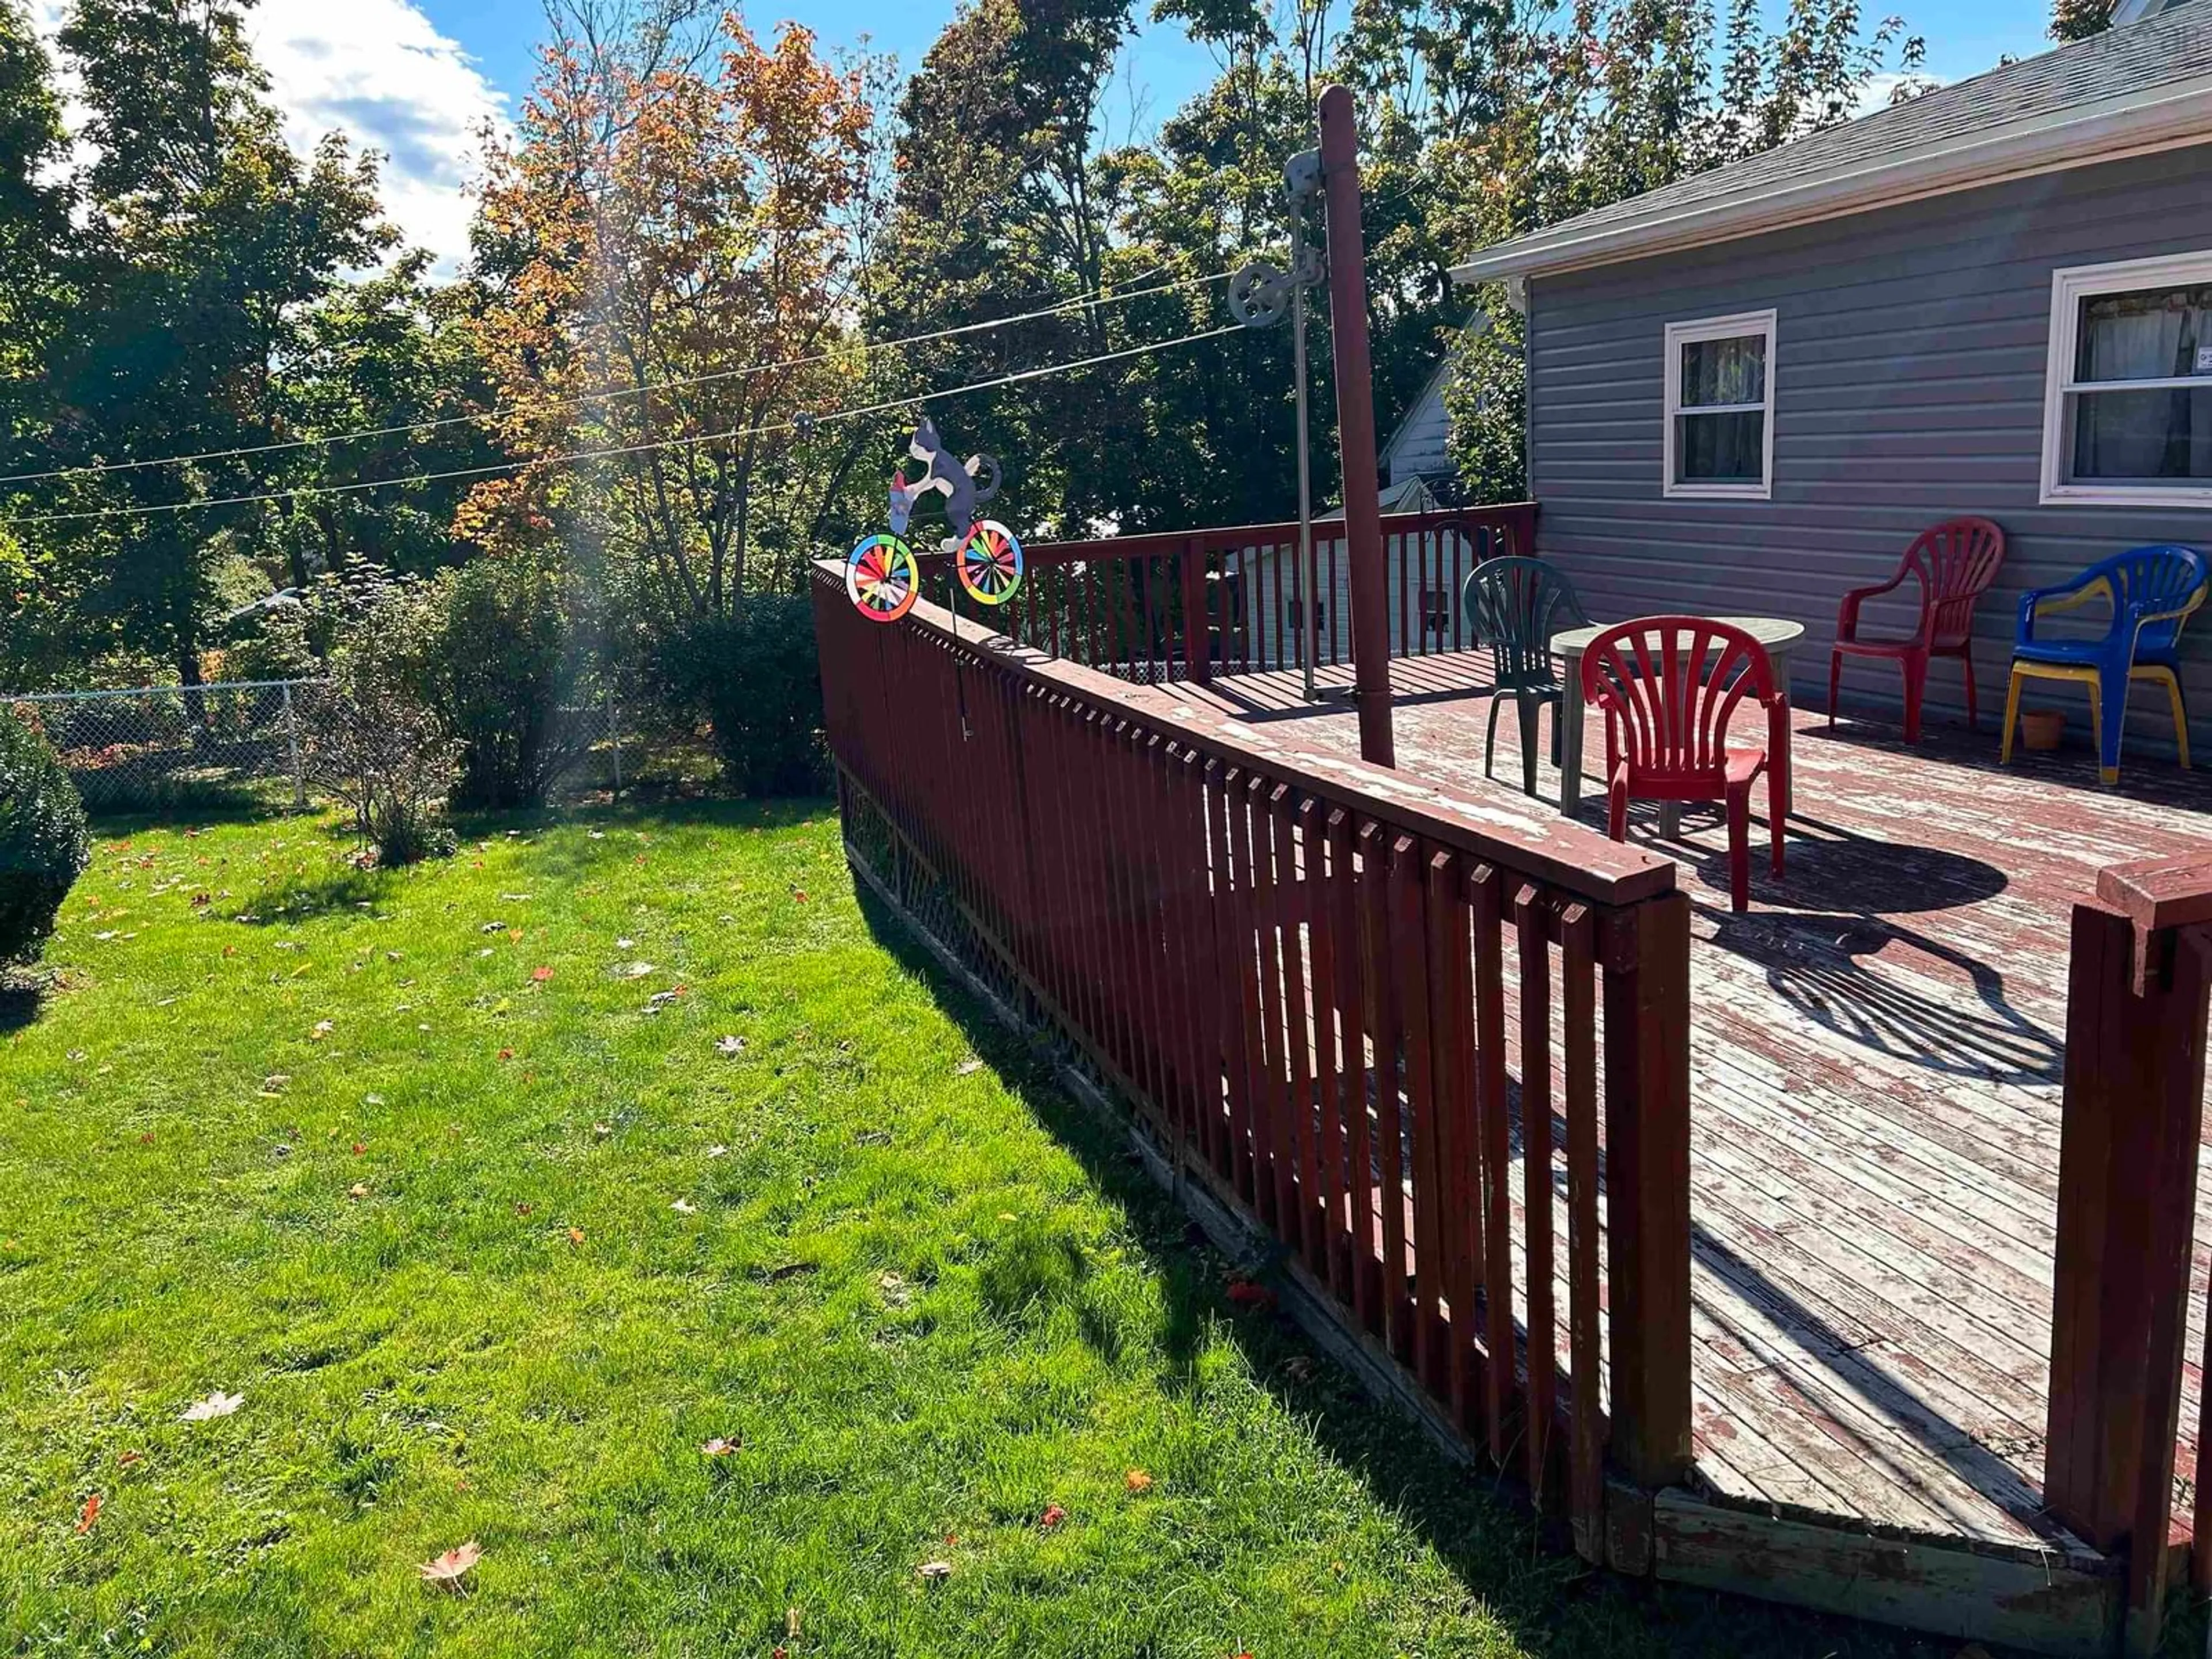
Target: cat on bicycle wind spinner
{"points": [[881, 578]]}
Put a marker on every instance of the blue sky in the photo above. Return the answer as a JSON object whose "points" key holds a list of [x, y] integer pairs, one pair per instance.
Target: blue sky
{"points": [[419, 79], [1964, 36]]}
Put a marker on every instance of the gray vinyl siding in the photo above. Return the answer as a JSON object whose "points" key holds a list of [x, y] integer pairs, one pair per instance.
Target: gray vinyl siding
{"points": [[1909, 388]]}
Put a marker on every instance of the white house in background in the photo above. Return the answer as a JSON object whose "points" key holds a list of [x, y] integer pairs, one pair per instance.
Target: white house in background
{"points": [[1419, 451], [1415, 462]]}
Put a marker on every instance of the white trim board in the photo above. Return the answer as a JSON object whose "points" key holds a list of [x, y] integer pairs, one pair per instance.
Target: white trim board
{"points": [[2171, 116], [2070, 286], [1738, 324]]}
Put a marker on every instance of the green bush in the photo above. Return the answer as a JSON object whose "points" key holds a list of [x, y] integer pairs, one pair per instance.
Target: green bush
{"points": [[754, 677], [44, 843], [496, 659]]}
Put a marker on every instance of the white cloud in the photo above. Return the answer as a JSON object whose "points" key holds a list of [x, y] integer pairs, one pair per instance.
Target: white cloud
{"points": [[380, 72]]}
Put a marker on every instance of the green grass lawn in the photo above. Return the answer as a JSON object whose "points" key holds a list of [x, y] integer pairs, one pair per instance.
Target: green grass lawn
{"points": [[500, 1188]]}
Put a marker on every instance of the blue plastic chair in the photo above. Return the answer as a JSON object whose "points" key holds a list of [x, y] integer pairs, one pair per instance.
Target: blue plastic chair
{"points": [[2152, 590], [1517, 604]]}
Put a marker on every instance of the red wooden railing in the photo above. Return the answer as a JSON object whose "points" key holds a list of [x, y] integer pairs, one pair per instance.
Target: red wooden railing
{"points": [[2140, 984], [1297, 970], [1124, 604]]}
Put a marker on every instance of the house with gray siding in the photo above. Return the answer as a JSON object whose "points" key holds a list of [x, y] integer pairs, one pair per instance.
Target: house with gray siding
{"points": [[1748, 391]]}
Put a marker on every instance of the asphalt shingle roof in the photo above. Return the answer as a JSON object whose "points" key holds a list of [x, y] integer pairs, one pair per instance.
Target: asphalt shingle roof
{"points": [[2161, 51]]}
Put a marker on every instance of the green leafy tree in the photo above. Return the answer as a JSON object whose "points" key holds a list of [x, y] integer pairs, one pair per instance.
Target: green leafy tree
{"points": [[201, 240], [33, 300], [2077, 20], [394, 356]]}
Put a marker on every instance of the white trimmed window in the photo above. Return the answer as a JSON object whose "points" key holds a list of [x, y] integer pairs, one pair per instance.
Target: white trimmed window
{"points": [[2127, 413], [1720, 407]]}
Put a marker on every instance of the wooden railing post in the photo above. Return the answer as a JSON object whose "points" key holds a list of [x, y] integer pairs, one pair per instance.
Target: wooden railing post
{"points": [[1355, 427], [2137, 1001], [1197, 626], [1523, 523], [1647, 1184]]}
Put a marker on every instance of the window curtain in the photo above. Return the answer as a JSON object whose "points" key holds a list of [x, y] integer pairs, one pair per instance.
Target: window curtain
{"points": [[2147, 434]]}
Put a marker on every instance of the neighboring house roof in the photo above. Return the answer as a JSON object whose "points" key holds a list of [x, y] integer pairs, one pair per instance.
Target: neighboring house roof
{"points": [[2145, 86], [1421, 447], [1404, 495]]}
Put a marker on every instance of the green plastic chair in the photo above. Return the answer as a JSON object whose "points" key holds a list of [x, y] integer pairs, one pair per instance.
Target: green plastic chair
{"points": [[1517, 604]]}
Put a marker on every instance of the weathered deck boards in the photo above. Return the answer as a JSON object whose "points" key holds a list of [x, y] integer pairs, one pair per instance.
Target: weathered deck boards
{"points": [[1876, 1060]]}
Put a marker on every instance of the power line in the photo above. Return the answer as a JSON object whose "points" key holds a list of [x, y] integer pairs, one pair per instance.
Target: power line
{"points": [[795, 424], [1100, 296]]}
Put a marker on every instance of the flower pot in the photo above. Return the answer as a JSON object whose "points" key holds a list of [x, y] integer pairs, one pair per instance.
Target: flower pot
{"points": [[2041, 729]]}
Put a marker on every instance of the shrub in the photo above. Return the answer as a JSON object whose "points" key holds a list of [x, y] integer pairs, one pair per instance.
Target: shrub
{"points": [[494, 660], [44, 843], [754, 677], [371, 741]]}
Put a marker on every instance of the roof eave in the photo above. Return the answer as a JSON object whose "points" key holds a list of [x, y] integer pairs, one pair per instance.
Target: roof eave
{"points": [[2158, 118]]}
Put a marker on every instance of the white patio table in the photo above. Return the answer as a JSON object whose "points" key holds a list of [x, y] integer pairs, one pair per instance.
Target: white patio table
{"points": [[1777, 635]]}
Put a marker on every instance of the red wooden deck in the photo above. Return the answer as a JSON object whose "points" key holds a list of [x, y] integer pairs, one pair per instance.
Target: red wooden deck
{"points": [[1875, 1084]]}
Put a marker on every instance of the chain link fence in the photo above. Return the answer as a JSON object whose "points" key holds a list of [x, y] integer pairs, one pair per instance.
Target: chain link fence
{"points": [[153, 747], [168, 748]]}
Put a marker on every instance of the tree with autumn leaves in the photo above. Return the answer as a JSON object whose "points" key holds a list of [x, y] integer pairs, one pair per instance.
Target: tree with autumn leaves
{"points": [[669, 259]]}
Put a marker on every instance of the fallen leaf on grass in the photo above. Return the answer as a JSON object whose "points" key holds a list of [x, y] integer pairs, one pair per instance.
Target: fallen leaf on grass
{"points": [[717, 1151], [507, 1053], [968, 1067], [449, 1568], [124, 1460], [87, 1514], [575, 1234], [539, 975], [1137, 1480], [217, 1404], [359, 1147], [1053, 1515], [731, 1045], [323, 1029], [933, 1571], [800, 893], [602, 1130], [358, 1191], [1245, 1294], [719, 1447]]}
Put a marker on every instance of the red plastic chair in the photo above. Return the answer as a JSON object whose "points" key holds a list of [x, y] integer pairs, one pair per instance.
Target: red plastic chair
{"points": [[1955, 561], [1669, 686]]}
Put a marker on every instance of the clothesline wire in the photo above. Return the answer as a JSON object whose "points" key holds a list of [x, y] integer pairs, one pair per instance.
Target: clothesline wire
{"points": [[1101, 296], [570, 457]]}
